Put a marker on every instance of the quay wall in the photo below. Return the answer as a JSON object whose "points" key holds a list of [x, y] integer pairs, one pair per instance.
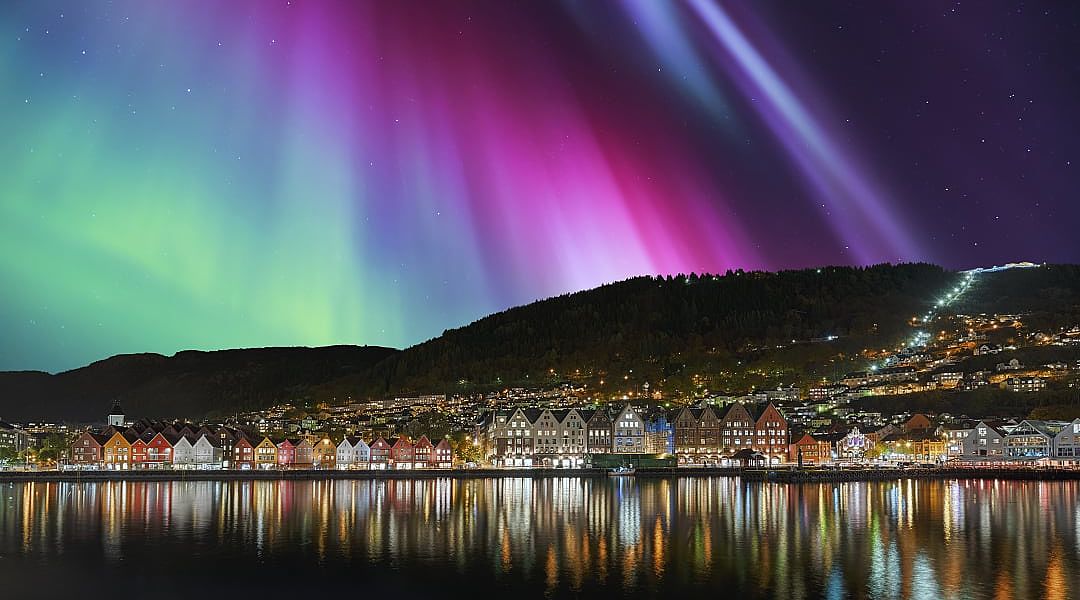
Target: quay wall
{"points": [[780, 475]]}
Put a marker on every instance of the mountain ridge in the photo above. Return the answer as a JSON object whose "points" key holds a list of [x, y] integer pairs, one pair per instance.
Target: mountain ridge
{"points": [[682, 334]]}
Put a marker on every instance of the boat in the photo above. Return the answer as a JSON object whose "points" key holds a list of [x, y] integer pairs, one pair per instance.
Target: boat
{"points": [[622, 471]]}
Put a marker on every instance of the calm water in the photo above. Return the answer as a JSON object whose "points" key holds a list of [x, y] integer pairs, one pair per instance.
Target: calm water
{"points": [[558, 537]]}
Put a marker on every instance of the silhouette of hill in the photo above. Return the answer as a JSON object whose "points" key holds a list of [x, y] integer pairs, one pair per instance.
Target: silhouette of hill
{"points": [[188, 384], [731, 330]]}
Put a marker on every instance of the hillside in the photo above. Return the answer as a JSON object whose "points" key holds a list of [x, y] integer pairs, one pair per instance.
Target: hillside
{"points": [[187, 384], [667, 330], [681, 334]]}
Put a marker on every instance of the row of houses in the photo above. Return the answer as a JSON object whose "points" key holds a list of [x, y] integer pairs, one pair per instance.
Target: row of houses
{"points": [[179, 446], [1028, 440], [695, 436]]}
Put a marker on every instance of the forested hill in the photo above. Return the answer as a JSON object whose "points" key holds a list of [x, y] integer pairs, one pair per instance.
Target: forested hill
{"points": [[658, 330], [188, 384], [663, 328]]}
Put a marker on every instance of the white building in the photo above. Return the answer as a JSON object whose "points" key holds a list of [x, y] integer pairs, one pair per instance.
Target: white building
{"points": [[183, 454], [1067, 441], [629, 432], [983, 441], [353, 453], [206, 453]]}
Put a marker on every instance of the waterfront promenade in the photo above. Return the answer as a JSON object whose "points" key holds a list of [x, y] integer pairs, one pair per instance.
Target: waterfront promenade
{"points": [[778, 475]]}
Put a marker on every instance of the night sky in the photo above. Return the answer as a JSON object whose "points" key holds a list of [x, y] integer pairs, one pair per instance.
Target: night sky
{"points": [[230, 174]]}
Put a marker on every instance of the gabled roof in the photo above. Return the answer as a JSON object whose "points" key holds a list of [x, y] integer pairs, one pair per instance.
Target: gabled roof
{"points": [[1047, 428], [99, 438]]}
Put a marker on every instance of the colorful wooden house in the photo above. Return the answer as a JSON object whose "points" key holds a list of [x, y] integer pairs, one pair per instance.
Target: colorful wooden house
{"points": [[401, 453], [117, 451], [324, 454], [138, 453], [243, 455], [380, 454], [305, 453], [159, 452], [265, 454], [286, 453], [444, 455], [88, 450], [423, 454]]}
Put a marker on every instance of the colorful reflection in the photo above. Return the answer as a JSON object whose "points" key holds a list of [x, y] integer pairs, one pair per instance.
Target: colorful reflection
{"points": [[549, 537]]}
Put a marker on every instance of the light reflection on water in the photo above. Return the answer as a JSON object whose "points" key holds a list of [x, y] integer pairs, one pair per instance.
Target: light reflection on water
{"points": [[547, 537]]}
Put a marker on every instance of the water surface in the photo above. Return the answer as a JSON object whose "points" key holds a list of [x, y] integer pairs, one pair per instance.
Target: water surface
{"points": [[552, 537]]}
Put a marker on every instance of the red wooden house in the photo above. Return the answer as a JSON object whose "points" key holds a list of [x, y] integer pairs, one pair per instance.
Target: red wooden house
{"points": [[380, 454], [286, 453], [243, 456], [87, 451], [138, 454], [159, 452], [423, 453], [401, 453], [444, 455]]}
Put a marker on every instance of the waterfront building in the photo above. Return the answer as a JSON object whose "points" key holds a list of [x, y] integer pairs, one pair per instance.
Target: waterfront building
{"points": [[659, 433], [1067, 441], [379, 454], [545, 428], [139, 452], [305, 453], [361, 453], [737, 429], [117, 451], [628, 432], [207, 452], [922, 445], [184, 452], [598, 425], [954, 438], [1032, 439], [88, 449], [323, 455], [244, 453], [514, 440], [265, 454], [423, 453], [696, 433], [853, 445], [572, 443], [444, 455], [401, 453], [346, 454], [983, 441], [810, 451], [771, 434], [286, 454]]}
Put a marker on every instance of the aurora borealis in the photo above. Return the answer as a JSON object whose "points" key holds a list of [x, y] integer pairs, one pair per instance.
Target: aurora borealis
{"points": [[207, 175]]}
